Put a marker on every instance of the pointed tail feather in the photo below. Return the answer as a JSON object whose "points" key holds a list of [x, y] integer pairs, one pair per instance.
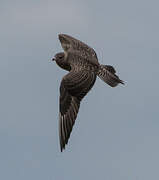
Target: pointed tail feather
{"points": [[107, 74]]}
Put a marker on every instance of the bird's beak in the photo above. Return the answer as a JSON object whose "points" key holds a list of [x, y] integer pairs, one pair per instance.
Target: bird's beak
{"points": [[53, 59]]}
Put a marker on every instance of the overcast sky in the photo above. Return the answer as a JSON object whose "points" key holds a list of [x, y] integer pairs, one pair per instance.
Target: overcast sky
{"points": [[116, 134]]}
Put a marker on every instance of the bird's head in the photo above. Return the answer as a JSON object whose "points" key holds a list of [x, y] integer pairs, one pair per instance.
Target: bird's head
{"points": [[66, 41], [58, 57], [60, 61]]}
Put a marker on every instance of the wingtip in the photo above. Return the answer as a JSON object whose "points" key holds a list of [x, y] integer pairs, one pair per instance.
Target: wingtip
{"points": [[62, 35], [59, 35], [62, 148]]}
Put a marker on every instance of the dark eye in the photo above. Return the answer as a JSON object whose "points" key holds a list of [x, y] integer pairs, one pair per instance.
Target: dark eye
{"points": [[60, 57]]}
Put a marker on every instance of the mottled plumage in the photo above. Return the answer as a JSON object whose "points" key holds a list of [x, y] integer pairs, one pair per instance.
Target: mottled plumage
{"points": [[83, 66]]}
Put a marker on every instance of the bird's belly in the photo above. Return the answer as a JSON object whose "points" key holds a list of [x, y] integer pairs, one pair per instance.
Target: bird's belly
{"points": [[85, 67]]}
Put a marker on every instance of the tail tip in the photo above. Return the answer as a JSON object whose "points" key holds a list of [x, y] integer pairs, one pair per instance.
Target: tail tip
{"points": [[122, 82]]}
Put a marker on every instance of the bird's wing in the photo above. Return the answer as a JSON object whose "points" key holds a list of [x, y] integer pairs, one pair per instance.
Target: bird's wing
{"points": [[71, 44], [74, 86]]}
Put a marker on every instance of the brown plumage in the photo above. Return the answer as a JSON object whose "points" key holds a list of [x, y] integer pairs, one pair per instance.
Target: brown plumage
{"points": [[83, 66]]}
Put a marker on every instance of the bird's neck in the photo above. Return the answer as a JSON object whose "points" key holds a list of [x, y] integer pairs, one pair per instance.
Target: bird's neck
{"points": [[63, 64]]}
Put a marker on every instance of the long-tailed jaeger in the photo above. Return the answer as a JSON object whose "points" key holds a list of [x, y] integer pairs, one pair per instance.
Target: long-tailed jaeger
{"points": [[82, 63]]}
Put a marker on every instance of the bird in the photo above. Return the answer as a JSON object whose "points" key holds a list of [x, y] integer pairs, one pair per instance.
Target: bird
{"points": [[81, 62]]}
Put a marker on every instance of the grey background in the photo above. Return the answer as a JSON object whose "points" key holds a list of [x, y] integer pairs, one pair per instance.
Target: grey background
{"points": [[116, 134]]}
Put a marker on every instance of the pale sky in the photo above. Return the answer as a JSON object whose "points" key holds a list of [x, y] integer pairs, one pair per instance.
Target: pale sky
{"points": [[116, 134]]}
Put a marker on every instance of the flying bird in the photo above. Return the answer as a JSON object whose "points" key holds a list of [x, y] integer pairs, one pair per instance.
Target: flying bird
{"points": [[82, 63]]}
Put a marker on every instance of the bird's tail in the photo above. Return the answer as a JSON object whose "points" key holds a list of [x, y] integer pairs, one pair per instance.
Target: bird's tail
{"points": [[107, 74]]}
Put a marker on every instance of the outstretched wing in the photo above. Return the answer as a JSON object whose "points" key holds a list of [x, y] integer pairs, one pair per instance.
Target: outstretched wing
{"points": [[74, 86], [71, 44]]}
